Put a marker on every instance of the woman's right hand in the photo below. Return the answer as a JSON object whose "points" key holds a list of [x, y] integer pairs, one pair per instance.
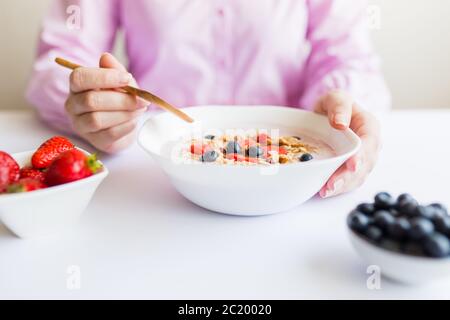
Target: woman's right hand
{"points": [[99, 113]]}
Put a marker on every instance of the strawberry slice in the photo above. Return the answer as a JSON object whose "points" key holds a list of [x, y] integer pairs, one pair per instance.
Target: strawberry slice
{"points": [[249, 142], [70, 166], [280, 150], [49, 151], [9, 171], [262, 138], [199, 148]]}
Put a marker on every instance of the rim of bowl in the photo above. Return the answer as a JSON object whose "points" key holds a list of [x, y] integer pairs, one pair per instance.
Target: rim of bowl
{"points": [[22, 196], [348, 132], [396, 253]]}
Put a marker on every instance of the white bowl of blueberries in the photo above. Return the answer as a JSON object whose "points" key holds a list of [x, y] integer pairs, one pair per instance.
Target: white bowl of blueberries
{"points": [[408, 241]]}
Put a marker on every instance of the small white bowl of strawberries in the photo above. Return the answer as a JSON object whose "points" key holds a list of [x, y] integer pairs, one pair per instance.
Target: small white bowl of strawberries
{"points": [[44, 191]]}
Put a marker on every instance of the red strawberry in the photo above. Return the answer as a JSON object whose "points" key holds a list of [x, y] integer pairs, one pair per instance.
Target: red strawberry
{"points": [[32, 174], [71, 166], [9, 170], [49, 151], [249, 142], [25, 185], [262, 138], [198, 148], [280, 150]]}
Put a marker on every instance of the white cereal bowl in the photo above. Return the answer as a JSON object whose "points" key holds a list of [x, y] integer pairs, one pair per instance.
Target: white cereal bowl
{"points": [[246, 190], [406, 269], [48, 211]]}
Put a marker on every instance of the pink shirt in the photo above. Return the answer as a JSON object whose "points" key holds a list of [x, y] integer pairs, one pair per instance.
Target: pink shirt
{"points": [[190, 52]]}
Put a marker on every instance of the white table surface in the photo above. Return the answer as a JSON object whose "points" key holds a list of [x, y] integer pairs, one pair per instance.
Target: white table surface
{"points": [[140, 239]]}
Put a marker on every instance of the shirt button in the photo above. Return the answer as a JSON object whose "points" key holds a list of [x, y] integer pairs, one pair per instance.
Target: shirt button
{"points": [[221, 12]]}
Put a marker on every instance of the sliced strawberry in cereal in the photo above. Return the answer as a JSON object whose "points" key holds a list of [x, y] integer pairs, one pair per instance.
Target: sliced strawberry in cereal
{"points": [[282, 150], [199, 148], [262, 138], [279, 150], [249, 142]]}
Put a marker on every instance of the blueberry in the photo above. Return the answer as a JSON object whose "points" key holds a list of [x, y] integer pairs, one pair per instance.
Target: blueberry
{"points": [[399, 229], [424, 212], [305, 157], [395, 212], [367, 208], [420, 228], [358, 221], [374, 233], [210, 137], [440, 207], [437, 246], [210, 156], [405, 197], [233, 147], [384, 200], [407, 208], [255, 152], [383, 219], [435, 212], [405, 201], [442, 224]]}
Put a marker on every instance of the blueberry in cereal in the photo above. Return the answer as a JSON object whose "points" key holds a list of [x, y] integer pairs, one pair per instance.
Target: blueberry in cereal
{"points": [[254, 149]]}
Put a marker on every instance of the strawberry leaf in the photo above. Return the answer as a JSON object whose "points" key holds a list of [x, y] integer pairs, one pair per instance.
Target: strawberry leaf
{"points": [[93, 164]]}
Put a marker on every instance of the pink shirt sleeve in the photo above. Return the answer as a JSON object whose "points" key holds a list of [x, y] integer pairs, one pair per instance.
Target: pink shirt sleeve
{"points": [[342, 56], [83, 43]]}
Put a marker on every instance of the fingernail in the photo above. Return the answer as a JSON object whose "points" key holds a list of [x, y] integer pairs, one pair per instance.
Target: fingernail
{"points": [[328, 194], [140, 112], [142, 104], [340, 119], [338, 184], [125, 78], [354, 165]]}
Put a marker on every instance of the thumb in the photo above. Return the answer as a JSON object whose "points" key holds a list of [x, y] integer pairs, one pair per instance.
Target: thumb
{"points": [[107, 60], [339, 108]]}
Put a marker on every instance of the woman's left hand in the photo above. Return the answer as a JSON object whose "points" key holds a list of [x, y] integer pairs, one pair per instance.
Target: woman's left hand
{"points": [[343, 113]]}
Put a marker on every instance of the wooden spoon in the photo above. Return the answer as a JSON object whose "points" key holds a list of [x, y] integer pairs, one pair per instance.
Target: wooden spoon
{"points": [[150, 97]]}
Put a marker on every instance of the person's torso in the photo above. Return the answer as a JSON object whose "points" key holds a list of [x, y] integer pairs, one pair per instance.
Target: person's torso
{"points": [[218, 51]]}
